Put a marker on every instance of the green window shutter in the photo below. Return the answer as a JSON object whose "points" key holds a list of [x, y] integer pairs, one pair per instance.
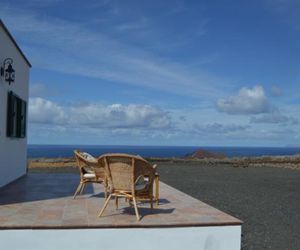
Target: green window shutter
{"points": [[16, 116], [23, 119], [10, 111]]}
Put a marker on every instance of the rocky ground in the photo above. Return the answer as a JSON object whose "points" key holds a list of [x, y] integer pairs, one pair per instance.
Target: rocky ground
{"points": [[264, 192]]}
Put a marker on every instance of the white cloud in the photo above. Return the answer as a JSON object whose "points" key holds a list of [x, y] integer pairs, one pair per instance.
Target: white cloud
{"points": [[146, 124], [37, 3], [287, 10], [74, 48], [133, 26], [115, 116], [41, 90], [120, 116], [274, 118], [44, 111], [247, 101], [218, 128], [276, 91], [37, 90]]}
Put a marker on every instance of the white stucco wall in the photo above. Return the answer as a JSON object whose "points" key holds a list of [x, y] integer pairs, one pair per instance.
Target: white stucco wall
{"points": [[184, 238], [13, 151]]}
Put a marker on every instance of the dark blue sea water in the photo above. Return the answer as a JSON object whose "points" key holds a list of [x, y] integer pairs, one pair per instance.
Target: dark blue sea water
{"points": [[52, 151]]}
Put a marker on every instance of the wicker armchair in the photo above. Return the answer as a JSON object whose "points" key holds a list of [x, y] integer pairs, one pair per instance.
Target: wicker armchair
{"points": [[128, 176], [87, 166]]}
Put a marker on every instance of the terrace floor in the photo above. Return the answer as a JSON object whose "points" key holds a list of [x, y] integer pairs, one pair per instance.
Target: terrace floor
{"points": [[42, 201]]}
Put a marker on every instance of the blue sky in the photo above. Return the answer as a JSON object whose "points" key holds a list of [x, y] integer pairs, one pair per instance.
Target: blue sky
{"points": [[207, 73]]}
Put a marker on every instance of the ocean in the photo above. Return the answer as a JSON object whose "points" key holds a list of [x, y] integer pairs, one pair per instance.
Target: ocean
{"points": [[53, 151]]}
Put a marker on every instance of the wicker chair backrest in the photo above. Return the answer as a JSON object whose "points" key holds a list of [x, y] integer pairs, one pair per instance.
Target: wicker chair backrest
{"points": [[122, 170]]}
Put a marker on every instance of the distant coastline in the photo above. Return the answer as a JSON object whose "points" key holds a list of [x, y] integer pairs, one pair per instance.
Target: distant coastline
{"points": [[55, 151]]}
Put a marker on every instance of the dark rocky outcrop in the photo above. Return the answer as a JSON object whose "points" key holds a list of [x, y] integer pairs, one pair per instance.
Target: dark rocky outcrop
{"points": [[204, 154]]}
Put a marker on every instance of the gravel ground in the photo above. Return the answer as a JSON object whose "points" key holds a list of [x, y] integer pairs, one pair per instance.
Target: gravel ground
{"points": [[266, 199]]}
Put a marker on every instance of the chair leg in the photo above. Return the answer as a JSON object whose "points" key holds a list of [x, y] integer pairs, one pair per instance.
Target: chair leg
{"points": [[105, 205], [77, 190], [105, 193], [151, 203], [156, 190], [83, 186], [105, 189], [117, 202], [136, 208]]}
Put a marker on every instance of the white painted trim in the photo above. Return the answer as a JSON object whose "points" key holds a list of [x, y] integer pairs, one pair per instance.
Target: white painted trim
{"points": [[187, 238]]}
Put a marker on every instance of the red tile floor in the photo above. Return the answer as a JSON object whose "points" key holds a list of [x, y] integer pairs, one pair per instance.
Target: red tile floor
{"points": [[46, 201]]}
